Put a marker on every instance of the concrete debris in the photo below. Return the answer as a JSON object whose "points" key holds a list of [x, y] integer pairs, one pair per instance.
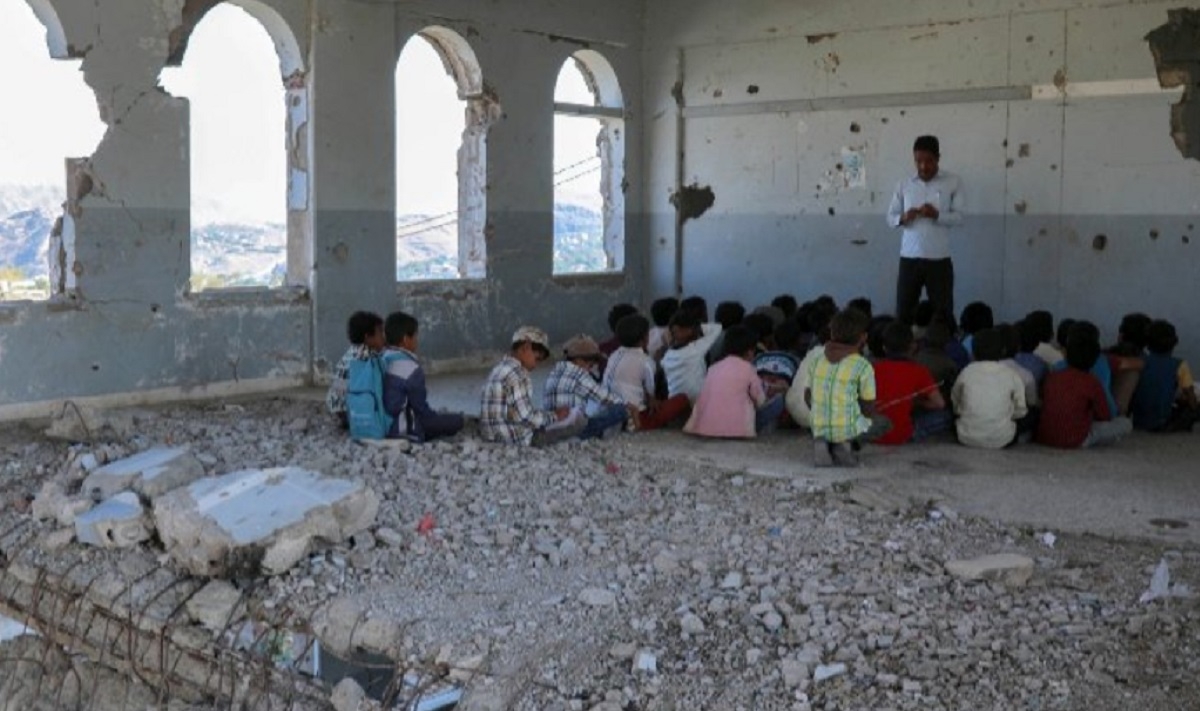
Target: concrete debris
{"points": [[597, 597], [259, 520], [150, 473], [645, 661], [1011, 569], [117, 523], [668, 586], [215, 606], [825, 672], [53, 504], [83, 423], [348, 696]]}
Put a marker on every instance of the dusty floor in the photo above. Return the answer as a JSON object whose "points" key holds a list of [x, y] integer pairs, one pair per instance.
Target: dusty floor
{"points": [[739, 569]]}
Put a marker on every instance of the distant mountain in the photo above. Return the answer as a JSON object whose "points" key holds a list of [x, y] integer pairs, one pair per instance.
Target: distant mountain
{"points": [[234, 254]]}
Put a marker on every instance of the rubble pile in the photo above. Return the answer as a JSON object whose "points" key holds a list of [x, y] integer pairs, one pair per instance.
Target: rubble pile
{"points": [[598, 576]]}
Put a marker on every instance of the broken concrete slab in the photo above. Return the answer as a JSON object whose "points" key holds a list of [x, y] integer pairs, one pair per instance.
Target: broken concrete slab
{"points": [[150, 473], [215, 606], [117, 523], [1009, 568], [259, 521]]}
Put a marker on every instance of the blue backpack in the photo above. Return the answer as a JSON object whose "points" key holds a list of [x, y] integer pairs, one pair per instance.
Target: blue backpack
{"points": [[364, 399]]}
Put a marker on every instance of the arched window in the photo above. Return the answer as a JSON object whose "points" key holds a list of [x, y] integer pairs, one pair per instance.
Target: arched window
{"points": [[589, 167], [49, 116], [243, 75], [442, 120]]}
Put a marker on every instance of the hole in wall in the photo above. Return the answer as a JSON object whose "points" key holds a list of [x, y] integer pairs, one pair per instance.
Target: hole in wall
{"points": [[1100, 242]]}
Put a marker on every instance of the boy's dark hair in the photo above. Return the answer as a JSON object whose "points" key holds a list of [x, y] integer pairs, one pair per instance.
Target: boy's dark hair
{"points": [[938, 335], [988, 345], [863, 304], [360, 325], [897, 339], [729, 313], [928, 144], [761, 324], [923, 314], [1134, 330], [1161, 338], [825, 300], [787, 335], [739, 340], [785, 303], [820, 316], [1064, 330], [804, 316], [684, 318], [1082, 350], [875, 333], [632, 330], [847, 326], [976, 316], [618, 312], [1031, 336], [695, 305], [1042, 323], [399, 325], [662, 310], [1083, 329], [1012, 339]]}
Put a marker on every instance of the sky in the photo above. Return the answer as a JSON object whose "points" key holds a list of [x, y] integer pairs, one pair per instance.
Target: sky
{"points": [[231, 77], [47, 113]]}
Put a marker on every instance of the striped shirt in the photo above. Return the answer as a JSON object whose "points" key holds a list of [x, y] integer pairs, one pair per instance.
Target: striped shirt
{"points": [[507, 413], [836, 391], [573, 387]]}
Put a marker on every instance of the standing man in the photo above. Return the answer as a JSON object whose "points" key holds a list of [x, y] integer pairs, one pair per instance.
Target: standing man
{"points": [[926, 207]]}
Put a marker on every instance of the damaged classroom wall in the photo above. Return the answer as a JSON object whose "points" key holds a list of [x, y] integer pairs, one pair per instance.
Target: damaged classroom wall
{"points": [[800, 117], [127, 327]]}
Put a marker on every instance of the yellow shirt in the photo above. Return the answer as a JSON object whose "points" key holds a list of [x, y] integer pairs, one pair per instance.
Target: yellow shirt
{"points": [[836, 390]]}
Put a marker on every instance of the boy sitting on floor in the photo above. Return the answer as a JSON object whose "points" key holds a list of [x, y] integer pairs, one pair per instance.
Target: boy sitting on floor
{"points": [[732, 402], [683, 363], [573, 385], [1075, 412], [630, 373], [988, 396], [507, 412], [365, 332], [1165, 399], [906, 392], [841, 393], [405, 394]]}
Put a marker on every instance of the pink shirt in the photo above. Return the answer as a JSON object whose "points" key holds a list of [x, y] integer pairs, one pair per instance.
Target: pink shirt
{"points": [[728, 401]]}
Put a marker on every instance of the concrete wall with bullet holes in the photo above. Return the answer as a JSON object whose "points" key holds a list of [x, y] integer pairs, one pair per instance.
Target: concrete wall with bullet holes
{"points": [[801, 116], [798, 116]]}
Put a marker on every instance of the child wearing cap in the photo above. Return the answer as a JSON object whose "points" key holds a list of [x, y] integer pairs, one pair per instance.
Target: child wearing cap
{"points": [[507, 412], [573, 384]]}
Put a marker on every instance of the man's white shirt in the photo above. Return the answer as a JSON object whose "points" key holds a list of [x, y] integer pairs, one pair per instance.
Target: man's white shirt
{"points": [[924, 238]]}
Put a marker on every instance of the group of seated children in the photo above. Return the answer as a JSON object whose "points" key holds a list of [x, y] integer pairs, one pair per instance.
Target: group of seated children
{"points": [[847, 375], [378, 389]]}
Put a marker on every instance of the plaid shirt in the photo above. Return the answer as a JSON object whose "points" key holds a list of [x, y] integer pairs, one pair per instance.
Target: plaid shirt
{"points": [[572, 386], [507, 413], [836, 389], [335, 399]]}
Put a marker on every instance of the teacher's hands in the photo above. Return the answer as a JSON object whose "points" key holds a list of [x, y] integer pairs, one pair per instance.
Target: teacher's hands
{"points": [[911, 215], [928, 210]]}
